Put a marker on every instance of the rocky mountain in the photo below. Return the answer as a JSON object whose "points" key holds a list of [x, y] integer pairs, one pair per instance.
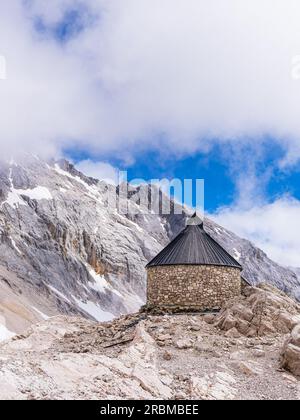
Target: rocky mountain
{"points": [[63, 251], [249, 351]]}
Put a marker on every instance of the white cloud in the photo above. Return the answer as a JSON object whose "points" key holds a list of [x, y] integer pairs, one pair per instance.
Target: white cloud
{"points": [[212, 69], [273, 227], [99, 170]]}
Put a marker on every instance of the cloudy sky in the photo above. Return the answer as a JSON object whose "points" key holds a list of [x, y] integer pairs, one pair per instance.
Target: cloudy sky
{"points": [[186, 88]]}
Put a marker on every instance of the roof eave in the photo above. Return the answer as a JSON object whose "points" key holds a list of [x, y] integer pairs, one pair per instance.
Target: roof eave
{"points": [[238, 266]]}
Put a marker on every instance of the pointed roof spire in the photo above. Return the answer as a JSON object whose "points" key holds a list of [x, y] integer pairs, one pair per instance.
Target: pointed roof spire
{"points": [[193, 246], [195, 220]]}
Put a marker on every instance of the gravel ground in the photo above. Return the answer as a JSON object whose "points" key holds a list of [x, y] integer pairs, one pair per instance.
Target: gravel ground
{"points": [[140, 356]]}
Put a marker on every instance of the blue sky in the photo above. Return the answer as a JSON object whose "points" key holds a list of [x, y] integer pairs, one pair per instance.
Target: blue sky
{"points": [[219, 169], [150, 165], [71, 23]]}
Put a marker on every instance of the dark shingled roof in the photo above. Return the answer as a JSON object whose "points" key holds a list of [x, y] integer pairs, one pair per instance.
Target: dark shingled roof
{"points": [[193, 246]]}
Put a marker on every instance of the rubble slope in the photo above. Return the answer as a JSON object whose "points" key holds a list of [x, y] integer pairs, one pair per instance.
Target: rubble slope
{"points": [[142, 356]]}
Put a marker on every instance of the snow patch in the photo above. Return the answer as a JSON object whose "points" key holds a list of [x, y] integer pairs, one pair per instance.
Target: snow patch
{"points": [[132, 302], [15, 246], [94, 310], [5, 334], [136, 226], [42, 315], [14, 198], [60, 171], [92, 190], [218, 231], [101, 285], [38, 193], [58, 293]]}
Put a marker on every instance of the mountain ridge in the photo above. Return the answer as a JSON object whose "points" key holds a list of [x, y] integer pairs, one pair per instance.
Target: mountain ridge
{"points": [[63, 252]]}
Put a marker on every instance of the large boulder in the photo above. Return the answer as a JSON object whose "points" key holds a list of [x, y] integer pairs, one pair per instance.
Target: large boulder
{"points": [[263, 311], [214, 386], [291, 352]]}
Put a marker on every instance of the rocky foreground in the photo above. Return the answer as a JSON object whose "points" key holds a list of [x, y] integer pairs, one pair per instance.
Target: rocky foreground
{"points": [[251, 350]]}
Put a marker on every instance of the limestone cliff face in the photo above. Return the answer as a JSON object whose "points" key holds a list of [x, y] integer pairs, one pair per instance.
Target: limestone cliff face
{"points": [[63, 251]]}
